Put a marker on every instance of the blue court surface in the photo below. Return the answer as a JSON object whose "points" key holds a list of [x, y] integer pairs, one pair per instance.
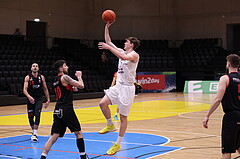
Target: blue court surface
{"points": [[134, 145]]}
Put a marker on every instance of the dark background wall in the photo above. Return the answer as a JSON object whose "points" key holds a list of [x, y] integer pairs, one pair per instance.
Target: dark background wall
{"points": [[152, 19]]}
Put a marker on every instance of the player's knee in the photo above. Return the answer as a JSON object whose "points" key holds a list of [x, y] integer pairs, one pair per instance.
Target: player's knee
{"points": [[54, 138], [123, 118], [31, 120], [30, 114], [37, 119], [78, 134], [102, 104]]}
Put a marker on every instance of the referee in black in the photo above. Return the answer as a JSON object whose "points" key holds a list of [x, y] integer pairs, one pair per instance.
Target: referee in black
{"points": [[64, 115], [229, 95]]}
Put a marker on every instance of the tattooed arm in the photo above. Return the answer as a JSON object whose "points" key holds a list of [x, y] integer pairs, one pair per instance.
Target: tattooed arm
{"points": [[68, 80]]}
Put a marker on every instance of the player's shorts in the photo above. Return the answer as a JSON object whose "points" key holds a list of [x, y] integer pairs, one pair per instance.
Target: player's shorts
{"points": [[231, 132], [123, 96], [63, 118], [35, 110], [37, 106]]}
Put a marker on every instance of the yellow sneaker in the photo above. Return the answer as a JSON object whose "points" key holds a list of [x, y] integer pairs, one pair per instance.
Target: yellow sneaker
{"points": [[108, 128], [114, 149]]}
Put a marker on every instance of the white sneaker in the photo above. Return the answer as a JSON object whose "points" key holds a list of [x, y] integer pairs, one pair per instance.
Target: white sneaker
{"points": [[34, 138]]}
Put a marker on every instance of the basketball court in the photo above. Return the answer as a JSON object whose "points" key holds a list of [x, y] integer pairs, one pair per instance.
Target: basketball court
{"points": [[161, 126]]}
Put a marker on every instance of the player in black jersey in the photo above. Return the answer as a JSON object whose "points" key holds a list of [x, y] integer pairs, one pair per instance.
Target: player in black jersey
{"points": [[229, 95], [64, 115], [34, 86]]}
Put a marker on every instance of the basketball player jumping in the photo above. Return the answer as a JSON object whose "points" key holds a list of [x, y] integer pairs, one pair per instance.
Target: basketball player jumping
{"points": [[123, 92]]}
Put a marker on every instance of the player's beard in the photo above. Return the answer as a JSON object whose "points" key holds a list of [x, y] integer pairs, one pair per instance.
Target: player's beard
{"points": [[65, 71]]}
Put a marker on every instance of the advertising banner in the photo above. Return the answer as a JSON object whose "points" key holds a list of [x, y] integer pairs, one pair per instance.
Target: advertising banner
{"points": [[201, 86], [157, 81]]}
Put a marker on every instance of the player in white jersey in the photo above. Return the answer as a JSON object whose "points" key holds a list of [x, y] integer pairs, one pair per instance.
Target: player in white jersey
{"points": [[123, 92]]}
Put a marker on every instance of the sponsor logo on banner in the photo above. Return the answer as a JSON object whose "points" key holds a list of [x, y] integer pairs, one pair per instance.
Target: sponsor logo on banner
{"points": [[213, 87], [201, 86], [195, 86], [152, 81]]}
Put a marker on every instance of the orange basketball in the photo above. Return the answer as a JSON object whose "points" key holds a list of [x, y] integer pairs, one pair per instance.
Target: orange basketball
{"points": [[108, 16]]}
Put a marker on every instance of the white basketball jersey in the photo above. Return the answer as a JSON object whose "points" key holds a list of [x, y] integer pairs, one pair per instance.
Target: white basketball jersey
{"points": [[126, 72]]}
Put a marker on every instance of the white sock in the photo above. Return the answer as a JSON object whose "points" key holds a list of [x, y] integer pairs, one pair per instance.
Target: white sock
{"points": [[109, 121], [119, 140], [35, 131], [43, 154], [82, 153]]}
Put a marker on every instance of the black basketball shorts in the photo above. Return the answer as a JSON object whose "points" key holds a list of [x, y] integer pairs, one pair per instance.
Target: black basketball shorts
{"points": [[65, 118], [231, 132]]}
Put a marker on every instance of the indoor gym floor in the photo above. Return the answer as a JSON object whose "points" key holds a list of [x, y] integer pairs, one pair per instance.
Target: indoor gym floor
{"points": [[161, 126]]}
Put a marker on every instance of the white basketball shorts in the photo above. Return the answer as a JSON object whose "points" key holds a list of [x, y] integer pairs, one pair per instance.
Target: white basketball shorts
{"points": [[122, 96]]}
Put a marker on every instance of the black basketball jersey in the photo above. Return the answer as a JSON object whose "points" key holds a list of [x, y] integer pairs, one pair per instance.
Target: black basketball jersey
{"points": [[35, 85], [231, 98], [64, 94]]}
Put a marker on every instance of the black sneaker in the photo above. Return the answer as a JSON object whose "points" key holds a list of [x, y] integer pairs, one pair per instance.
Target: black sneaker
{"points": [[34, 138], [84, 156], [43, 157]]}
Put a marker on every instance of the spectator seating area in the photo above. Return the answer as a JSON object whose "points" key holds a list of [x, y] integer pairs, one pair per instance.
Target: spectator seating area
{"points": [[199, 59], [155, 55], [17, 54], [198, 52]]}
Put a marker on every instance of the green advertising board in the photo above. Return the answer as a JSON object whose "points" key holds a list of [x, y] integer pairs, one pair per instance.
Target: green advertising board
{"points": [[201, 86]]}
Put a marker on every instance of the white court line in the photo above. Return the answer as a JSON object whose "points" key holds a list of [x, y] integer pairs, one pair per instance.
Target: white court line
{"points": [[183, 116], [121, 142], [181, 132], [9, 157], [166, 153], [198, 101]]}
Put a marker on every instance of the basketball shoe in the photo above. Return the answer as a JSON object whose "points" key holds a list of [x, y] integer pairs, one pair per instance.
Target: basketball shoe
{"points": [[114, 149], [34, 138], [108, 128]]}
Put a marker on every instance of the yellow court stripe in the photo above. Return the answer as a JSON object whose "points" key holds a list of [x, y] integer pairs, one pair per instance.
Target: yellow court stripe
{"points": [[140, 111]]}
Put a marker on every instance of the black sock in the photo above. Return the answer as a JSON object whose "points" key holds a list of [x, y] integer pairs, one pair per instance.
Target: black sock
{"points": [[80, 145]]}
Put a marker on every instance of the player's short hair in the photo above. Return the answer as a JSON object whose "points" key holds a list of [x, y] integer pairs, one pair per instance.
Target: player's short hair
{"points": [[233, 59], [34, 64], [135, 41], [58, 64]]}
